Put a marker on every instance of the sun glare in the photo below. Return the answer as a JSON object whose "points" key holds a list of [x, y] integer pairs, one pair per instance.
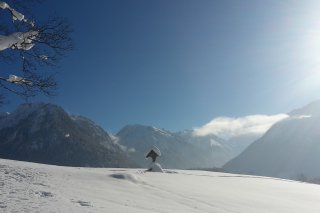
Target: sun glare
{"points": [[306, 51]]}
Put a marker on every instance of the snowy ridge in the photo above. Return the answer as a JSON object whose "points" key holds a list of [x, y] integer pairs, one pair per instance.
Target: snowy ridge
{"points": [[161, 131], [29, 187]]}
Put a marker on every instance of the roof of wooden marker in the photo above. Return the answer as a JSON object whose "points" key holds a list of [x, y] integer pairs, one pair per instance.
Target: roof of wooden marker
{"points": [[155, 150]]}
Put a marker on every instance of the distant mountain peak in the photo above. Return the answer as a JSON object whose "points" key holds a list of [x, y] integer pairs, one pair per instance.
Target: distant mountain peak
{"points": [[312, 109], [140, 130]]}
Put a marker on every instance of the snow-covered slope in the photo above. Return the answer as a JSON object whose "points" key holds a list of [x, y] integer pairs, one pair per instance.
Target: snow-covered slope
{"points": [[29, 187], [45, 133], [290, 149]]}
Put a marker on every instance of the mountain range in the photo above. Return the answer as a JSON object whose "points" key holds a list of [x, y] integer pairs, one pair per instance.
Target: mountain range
{"points": [[45, 133]]}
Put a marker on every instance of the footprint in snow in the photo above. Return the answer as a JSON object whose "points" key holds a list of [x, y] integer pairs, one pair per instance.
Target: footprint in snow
{"points": [[2, 205], [128, 177], [82, 203], [40, 184], [44, 194]]}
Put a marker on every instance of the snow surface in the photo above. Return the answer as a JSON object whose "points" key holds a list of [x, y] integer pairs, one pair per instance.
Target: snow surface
{"points": [[19, 80], [29, 187], [161, 131], [155, 167], [19, 40], [15, 14]]}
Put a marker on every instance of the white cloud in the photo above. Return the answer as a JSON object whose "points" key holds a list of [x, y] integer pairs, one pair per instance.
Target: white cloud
{"points": [[301, 116], [227, 127]]}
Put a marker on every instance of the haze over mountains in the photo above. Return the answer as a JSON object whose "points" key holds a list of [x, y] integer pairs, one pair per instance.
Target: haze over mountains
{"points": [[289, 149]]}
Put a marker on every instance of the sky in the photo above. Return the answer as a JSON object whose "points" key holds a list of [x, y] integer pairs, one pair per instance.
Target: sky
{"points": [[181, 64]]}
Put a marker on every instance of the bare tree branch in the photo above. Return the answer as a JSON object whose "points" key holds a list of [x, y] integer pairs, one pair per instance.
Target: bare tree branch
{"points": [[36, 46]]}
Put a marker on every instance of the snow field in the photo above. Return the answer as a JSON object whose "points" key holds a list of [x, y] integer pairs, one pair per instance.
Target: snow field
{"points": [[29, 187]]}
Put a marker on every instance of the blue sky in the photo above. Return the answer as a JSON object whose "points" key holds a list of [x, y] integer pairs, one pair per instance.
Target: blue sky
{"points": [[178, 64]]}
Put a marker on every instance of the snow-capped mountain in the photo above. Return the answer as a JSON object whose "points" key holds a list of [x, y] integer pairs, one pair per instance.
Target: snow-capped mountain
{"points": [[178, 149], [45, 133], [312, 109], [291, 148]]}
